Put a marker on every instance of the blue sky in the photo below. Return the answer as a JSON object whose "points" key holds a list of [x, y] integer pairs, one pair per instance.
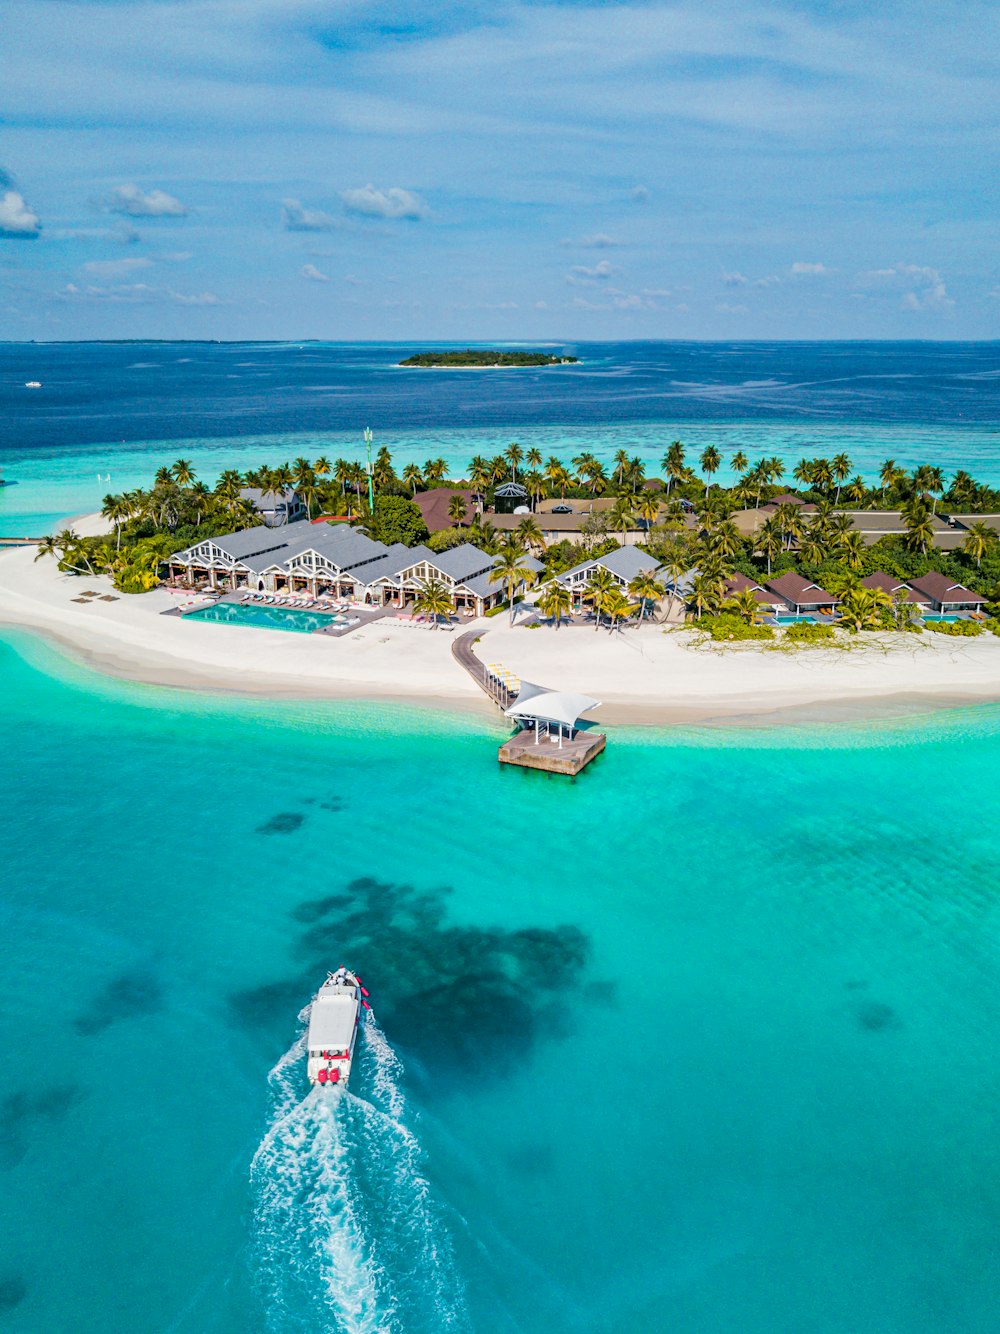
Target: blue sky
{"points": [[293, 169]]}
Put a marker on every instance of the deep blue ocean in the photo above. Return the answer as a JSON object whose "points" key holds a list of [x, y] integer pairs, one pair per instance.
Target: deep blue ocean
{"points": [[703, 1042], [107, 414]]}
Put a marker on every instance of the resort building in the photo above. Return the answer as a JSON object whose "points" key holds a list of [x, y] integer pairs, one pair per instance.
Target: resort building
{"points": [[965, 521], [275, 508], [873, 525], [799, 595], [624, 564], [739, 583], [944, 595], [895, 588], [337, 561]]}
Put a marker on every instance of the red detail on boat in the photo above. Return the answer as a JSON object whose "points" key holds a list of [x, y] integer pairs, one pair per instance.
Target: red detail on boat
{"points": [[322, 1076], [363, 991], [366, 1005], [334, 1076]]}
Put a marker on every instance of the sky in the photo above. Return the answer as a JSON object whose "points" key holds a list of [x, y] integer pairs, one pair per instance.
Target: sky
{"points": [[523, 171]]}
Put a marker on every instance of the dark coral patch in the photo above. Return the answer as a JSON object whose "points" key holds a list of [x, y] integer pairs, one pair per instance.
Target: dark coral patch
{"points": [[13, 1291], [874, 1016], [285, 822], [125, 997], [21, 1112]]}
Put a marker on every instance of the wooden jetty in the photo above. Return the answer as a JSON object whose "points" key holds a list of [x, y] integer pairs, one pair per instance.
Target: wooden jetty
{"points": [[547, 737]]}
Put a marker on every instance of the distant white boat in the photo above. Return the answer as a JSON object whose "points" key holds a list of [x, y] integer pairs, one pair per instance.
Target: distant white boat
{"points": [[32, 384], [333, 1027]]}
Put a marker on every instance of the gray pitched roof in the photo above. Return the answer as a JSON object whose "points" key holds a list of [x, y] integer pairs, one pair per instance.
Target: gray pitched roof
{"points": [[248, 542], [461, 563], [626, 562], [397, 557], [268, 500]]}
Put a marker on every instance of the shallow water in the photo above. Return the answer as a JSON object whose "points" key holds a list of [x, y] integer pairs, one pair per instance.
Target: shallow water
{"points": [[702, 1041]]}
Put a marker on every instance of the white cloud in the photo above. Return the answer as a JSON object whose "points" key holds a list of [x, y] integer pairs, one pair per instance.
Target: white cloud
{"points": [[370, 202], [194, 298], [804, 270], [115, 268], [921, 287], [589, 274], [136, 203], [724, 308], [18, 221], [639, 194], [598, 241], [295, 218], [736, 280], [772, 280], [311, 272]]}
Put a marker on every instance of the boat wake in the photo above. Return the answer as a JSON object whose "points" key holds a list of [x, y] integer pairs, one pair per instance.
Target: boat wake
{"points": [[347, 1236]]}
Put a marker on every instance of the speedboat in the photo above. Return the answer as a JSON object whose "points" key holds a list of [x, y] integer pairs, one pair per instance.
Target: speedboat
{"points": [[32, 384], [333, 1027]]}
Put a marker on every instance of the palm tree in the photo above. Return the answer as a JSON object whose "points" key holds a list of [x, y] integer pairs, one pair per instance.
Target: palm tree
{"points": [[343, 472], [533, 457], [434, 599], [812, 548], [617, 606], [457, 509], [534, 484], [202, 498], [739, 463], [919, 524], [555, 602], [789, 522], [710, 461], [856, 490], [862, 608], [770, 540], [673, 464], [851, 549], [621, 517], [511, 570], [434, 471], [530, 534], [840, 470], [648, 508], [745, 605], [309, 492], [479, 474], [323, 466], [598, 589], [804, 472], [646, 588], [182, 472], [822, 474], [48, 546], [978, 541], [725, 541], [597, 479], [413, 477], [621, 463], [889, 475], [706, 591], [513, 454], [559, 476], [116, 511]]}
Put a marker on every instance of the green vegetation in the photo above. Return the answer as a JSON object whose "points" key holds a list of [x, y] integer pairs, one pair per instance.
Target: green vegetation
{"points": [[395, 519], [726, 625], [485, 357], [961, 629], [802, 632]]}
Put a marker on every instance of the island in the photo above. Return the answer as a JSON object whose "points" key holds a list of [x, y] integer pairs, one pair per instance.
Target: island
{"points": [[486, 358]]}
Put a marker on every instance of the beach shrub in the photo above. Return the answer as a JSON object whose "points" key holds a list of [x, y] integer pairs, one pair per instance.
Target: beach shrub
{"points": [[726, 626], [960, 629], [804, 633]]}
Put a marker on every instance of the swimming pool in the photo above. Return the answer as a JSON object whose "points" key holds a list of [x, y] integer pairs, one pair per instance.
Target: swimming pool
{"points": [[942, 618], [267, 618], [800, 619]]}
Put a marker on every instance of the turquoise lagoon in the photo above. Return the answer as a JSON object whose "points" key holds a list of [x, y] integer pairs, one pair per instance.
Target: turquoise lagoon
{"points": [[747, 1079]]}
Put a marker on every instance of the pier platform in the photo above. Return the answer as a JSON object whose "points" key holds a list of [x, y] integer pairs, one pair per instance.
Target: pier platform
{"points": [[570, 758]]}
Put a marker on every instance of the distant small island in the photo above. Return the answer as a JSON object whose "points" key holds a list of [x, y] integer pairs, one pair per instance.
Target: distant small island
{"points": [[486, 359]]}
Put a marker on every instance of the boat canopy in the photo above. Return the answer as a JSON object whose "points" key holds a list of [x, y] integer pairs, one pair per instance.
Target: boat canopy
{"points": [[539, 704], [331, 1023]]}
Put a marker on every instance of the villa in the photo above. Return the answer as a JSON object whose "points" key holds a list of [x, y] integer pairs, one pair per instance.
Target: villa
{"points": [[944, 595], [799, 595], [276, 508], [739, 583], [623, 565], [435, 506], [895, 588], [336, 561]]}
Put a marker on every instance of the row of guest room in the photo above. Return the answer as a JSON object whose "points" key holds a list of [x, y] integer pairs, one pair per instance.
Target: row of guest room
{"points": [[335, 560]]}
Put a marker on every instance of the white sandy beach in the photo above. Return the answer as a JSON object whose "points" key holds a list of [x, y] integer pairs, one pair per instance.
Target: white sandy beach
{"points": [[644, 675]]}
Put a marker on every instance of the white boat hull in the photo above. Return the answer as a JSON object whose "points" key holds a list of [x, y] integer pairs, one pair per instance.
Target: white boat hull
{"points": [[333, 1030]]}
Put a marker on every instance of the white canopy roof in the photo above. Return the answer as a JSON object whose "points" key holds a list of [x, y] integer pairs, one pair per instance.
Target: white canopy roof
{"points": [[550, 706], [331, 1023]]}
